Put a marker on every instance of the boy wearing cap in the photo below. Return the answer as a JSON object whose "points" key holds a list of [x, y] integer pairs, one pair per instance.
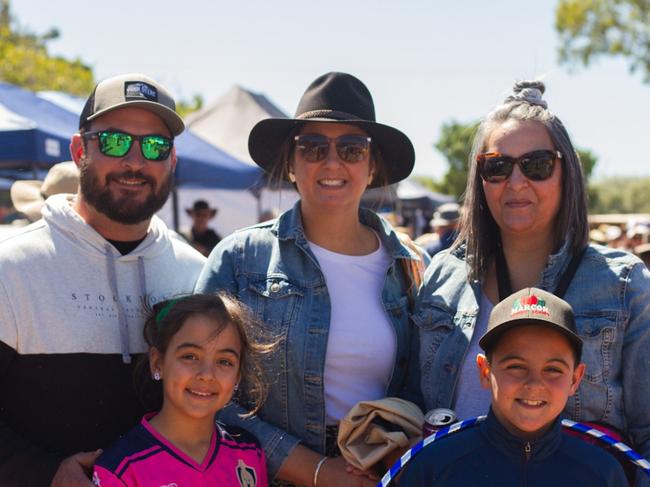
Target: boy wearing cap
{"points": [[531, 365]]}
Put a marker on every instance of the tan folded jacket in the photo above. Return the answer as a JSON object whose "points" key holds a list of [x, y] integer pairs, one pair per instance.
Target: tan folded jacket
{"points": [[373, 429]]}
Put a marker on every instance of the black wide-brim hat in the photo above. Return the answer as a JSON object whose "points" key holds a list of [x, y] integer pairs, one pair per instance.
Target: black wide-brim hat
{"points": [[335, 98]]}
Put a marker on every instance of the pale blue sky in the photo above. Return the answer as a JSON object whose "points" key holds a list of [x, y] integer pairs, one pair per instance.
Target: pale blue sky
{"points": [[425, 62]]}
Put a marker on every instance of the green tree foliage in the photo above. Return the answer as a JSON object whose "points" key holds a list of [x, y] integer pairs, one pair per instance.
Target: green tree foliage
{"points": [[589, 29], [620, 195], [455, 143], [588, 160], [24, 61], [185, 107]]}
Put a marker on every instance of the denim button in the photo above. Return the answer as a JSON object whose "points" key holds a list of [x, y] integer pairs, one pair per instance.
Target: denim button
{"points": [[275, 287]]}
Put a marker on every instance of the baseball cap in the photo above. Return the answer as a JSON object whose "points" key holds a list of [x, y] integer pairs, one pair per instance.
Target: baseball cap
{"points": [[531, 306], [132, 90]]}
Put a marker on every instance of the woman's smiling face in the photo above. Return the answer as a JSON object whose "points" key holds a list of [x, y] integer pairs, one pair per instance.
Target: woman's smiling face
{"points": [[332, 183], [520, 206]]}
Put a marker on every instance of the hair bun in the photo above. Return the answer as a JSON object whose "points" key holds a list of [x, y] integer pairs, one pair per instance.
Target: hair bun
{"points": [[528, 91]]}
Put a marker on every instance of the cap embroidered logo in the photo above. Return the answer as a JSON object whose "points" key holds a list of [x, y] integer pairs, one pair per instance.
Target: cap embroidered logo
{"points": [[531, 304], [137, 90]]}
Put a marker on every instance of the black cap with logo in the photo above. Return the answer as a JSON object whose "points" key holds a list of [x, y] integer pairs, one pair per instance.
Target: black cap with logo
{"points": [[132, 90], [531, 306]]}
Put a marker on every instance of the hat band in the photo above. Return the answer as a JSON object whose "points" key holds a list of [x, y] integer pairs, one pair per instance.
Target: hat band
{"points": [[335, 114]]}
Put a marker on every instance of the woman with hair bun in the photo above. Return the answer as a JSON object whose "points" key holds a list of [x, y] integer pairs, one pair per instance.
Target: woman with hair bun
{"points": [[524, 225]]}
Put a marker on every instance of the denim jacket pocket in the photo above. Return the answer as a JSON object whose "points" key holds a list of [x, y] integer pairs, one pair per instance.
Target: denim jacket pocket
{"points": [[601, 342], [398, 311], [276, 300], [435, 324]]}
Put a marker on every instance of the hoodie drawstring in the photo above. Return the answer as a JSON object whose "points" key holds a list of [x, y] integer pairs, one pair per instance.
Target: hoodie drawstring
{"points": [[121, 314], [141, 275]]}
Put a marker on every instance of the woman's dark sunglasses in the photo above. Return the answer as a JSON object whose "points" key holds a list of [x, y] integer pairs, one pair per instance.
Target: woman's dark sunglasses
{"points": [[537, 165], [315, 147], [118, 144]]}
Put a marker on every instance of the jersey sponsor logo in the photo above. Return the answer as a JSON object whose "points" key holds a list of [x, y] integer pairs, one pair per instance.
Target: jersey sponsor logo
{"points": [[247, 476]]}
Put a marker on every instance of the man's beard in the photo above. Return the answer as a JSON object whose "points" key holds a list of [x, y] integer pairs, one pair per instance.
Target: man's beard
{"points": [[122, 209]]}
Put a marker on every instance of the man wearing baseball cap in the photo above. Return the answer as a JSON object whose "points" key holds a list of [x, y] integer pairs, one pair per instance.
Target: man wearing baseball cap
{"points": [[531, 366], [76, 285]]}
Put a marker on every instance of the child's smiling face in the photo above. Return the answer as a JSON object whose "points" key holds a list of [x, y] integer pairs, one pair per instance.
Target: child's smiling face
{"points": [[532, 372], [199, 370]]}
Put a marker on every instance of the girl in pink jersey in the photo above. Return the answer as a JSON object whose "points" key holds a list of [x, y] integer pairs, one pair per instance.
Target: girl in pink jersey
{"points": [[199, 351]]}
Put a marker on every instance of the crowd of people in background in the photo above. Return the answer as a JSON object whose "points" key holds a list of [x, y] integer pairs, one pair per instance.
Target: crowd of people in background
{"points": [[133, 355]]}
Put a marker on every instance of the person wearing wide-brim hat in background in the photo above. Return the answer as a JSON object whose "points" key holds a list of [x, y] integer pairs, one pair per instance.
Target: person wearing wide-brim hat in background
{"points": [[331, 281], [28, 196], [444, 226], [200, 236]]}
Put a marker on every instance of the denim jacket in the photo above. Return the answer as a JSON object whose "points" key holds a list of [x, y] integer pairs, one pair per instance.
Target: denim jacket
{"points": [[610, 295], [271, 268]]}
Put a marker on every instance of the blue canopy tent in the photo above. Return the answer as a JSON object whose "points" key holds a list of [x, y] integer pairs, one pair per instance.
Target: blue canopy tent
{"points": [[210, 167], [22, 173], [34, 133], [5, 183], [32, 126]]}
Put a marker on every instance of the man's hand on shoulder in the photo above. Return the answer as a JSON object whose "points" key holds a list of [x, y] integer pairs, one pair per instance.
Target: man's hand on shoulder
{"points": [[75, 471]]}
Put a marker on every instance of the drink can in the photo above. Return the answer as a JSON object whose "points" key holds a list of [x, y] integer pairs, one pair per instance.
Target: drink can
{"points": [[437, 419]]}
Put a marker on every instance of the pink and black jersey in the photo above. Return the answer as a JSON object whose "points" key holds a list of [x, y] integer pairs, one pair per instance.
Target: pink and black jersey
{"points": [[144, 458]]}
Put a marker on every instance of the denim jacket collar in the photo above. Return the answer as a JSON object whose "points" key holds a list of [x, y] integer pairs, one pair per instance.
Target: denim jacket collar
{"points": [[289, 227], [557, 263]]}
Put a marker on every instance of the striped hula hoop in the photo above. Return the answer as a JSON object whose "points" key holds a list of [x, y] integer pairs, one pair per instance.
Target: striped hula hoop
{"points": [[632, 456]]}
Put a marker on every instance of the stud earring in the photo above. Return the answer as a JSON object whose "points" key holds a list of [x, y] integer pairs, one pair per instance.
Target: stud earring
{"points": [[292, 177], [156, 375], [236, 387]]}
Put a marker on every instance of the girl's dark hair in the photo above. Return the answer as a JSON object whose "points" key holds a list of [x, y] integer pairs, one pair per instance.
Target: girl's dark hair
{"points": [[477, 229], [166, 318]]}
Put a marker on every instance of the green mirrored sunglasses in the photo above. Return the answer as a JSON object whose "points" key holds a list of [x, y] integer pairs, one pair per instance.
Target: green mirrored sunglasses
{"points": [[118, 144]]}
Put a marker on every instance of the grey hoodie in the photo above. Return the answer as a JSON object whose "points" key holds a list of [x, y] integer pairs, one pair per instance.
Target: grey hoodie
{"points": [[71, 315]]}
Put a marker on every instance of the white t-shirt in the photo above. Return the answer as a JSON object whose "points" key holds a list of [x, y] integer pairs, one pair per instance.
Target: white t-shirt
{"points": [[361, 345]]}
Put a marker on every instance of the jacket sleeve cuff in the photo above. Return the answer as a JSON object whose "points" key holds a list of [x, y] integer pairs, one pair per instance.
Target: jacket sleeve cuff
{"points": [[277, 449], [277, 443]]}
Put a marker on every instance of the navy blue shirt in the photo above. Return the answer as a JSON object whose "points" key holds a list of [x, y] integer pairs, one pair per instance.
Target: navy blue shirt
{"points": [[488, 455]]}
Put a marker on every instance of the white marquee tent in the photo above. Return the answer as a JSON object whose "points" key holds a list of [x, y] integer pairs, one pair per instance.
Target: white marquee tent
{"points": [[226, 123]]}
